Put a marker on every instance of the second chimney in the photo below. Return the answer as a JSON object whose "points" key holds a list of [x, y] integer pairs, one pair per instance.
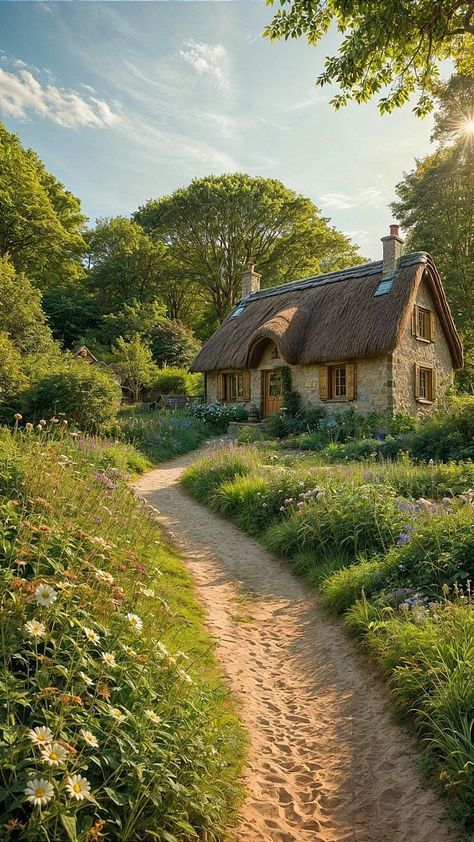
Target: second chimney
{"points": [[250, 280], [392, 251]]}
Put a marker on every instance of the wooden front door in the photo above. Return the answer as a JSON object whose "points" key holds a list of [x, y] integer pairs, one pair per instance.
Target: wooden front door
{"points": [[272, 392]]}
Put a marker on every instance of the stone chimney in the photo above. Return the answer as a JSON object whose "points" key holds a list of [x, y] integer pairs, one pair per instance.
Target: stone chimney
{"points": [[250, 280], [392, 251]]}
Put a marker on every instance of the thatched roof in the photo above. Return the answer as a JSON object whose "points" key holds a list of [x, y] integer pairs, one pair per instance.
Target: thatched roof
{"points": [[329, 317]]}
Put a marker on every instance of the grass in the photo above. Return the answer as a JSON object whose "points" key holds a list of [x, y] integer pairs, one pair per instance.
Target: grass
{"points": [[390, 547], [160, 435], [118, 649]]}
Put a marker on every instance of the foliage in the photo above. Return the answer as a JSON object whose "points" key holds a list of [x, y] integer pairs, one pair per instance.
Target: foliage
{"points": [[12, 379], [40, 222], [86, 395], [133, 362], [205, 476], [103, 646], [125, 265], [291, 398], [217, 416], [447, 433], [218, 223], [390, 49], [178, 381], [173, 344], [21, 315], [71, 312], [159, 434]]}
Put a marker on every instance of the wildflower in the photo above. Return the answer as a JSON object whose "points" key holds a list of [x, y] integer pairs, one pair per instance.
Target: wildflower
{"points": [[95, 831], [104, 479], [91, 635], [103, 576], [78, 787], [153, 716], [136, 622], [17, 416], [35, 628], [41, 735], [39, 791], [103, 690], [45, 595], [13, 824], [109, 659], [29, 426], [38, 427], [184, 675], [147, 592], [88, 681], [54, 754], [404, 538], [117, 714], [41, 423], [89, 738]]}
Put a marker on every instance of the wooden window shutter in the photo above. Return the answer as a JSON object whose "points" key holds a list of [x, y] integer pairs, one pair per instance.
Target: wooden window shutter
{"points": [[432, 326], [417, 380], [433, 385], [414, 321], [220, 386], [246, 385], [323, 382], [351, 381]]}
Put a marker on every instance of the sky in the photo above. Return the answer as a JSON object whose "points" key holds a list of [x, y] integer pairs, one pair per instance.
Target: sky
{"points": [[127, 101]]}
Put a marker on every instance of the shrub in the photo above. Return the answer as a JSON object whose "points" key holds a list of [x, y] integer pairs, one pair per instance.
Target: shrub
{"points": [[159, 434], [177, 381], [358, 451], [217, 416], [205, 477], [86, 395], [344, 587]]}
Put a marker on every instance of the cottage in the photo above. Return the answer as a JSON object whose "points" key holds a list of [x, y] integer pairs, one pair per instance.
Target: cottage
{"points": [[377, 337]]}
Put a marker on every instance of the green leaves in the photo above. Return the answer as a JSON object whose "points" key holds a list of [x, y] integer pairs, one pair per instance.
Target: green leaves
{"points": [[68, 822]]}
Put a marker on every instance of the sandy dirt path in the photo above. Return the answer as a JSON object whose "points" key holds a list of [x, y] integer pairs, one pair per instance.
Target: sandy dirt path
{"points": [[326, 763]]}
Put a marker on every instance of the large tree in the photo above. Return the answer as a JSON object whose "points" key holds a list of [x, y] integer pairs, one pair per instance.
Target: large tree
{"points": [[436, 206], [125, 264], [214, 226], [388, 46], [41, 224]]}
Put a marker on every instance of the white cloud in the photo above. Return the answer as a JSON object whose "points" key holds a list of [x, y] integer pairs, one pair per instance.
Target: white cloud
{"points": [[369, 196], [312, 99], [21, 94], [338, 201], [208, 60]]}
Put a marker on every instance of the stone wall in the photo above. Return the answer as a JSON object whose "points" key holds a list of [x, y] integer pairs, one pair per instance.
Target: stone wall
{"points": [[411, 350]]}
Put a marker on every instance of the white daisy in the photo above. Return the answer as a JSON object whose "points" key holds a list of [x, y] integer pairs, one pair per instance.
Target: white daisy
{"points": [[109, 659], [184, 675], [153, 716], [39, 791], [54, 754], [117, 714], [103, 576], [86, 679], [147, 592], [89, 738], [45, 595], [35, 628], [78, 787], [136, 622], [41, 735], [91, 635]]}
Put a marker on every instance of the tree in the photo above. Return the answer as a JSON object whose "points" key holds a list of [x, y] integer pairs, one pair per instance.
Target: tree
{"points": [[436, 209], [387, 44], [12, 378], [40, 222], [21, 314], [214, 226], [134, 364], [124, 263], [71, 311], [173, 344]]}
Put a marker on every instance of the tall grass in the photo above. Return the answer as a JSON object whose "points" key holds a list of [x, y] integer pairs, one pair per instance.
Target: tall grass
{"points": [[103, 645]]}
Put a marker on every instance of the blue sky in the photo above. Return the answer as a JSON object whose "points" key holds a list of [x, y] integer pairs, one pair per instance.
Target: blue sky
{"points": [[125, 101]]}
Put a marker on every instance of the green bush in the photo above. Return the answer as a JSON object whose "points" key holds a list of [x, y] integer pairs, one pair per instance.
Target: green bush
{"points": [[205, 477], [217, 416], [86, 395], [178, 381], [104, 654], [159, 434]]}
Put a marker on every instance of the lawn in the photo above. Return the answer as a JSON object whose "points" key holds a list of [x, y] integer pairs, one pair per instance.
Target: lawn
{"points": [[390, 547]]}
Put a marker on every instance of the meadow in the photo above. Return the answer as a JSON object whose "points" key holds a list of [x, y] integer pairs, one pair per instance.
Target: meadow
{"points": [[116, 722], [390, 548]]}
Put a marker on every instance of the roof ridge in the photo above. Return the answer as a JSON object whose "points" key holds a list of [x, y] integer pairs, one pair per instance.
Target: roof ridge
{"points": [[360, 270]]}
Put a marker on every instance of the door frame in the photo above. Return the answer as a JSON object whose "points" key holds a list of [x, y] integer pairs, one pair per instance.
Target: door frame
{"points": [[266, 372]]}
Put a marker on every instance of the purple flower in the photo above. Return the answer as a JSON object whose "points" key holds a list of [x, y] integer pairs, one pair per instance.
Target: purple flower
{"points": [[404, 538], [104, 479]]}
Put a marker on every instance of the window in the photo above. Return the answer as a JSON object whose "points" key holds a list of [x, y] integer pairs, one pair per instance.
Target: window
{"points": [[234, 386], [337, 382], [425, 384], [275, 386], [423, 325]]}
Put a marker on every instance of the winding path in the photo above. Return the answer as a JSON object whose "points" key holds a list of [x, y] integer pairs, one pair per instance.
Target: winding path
{"points": [[326, 763]]}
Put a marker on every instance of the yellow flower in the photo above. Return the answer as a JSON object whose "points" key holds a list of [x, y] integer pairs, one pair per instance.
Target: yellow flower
{"points": [[153, 716], [35, 628], [45, 595], [78, 787], [136, 622], [117, 714], [91, 635], [41, 736], [54, 754], [109, 659], [89, 738]]}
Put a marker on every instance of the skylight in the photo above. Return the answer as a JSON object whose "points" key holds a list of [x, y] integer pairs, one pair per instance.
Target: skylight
{"points": [[238, 310], [384, 286]]}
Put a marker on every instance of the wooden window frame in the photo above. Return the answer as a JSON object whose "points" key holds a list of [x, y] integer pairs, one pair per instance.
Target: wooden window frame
{"points": [[425, 384], [234, 386], [330, 384], [423, 329]]}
